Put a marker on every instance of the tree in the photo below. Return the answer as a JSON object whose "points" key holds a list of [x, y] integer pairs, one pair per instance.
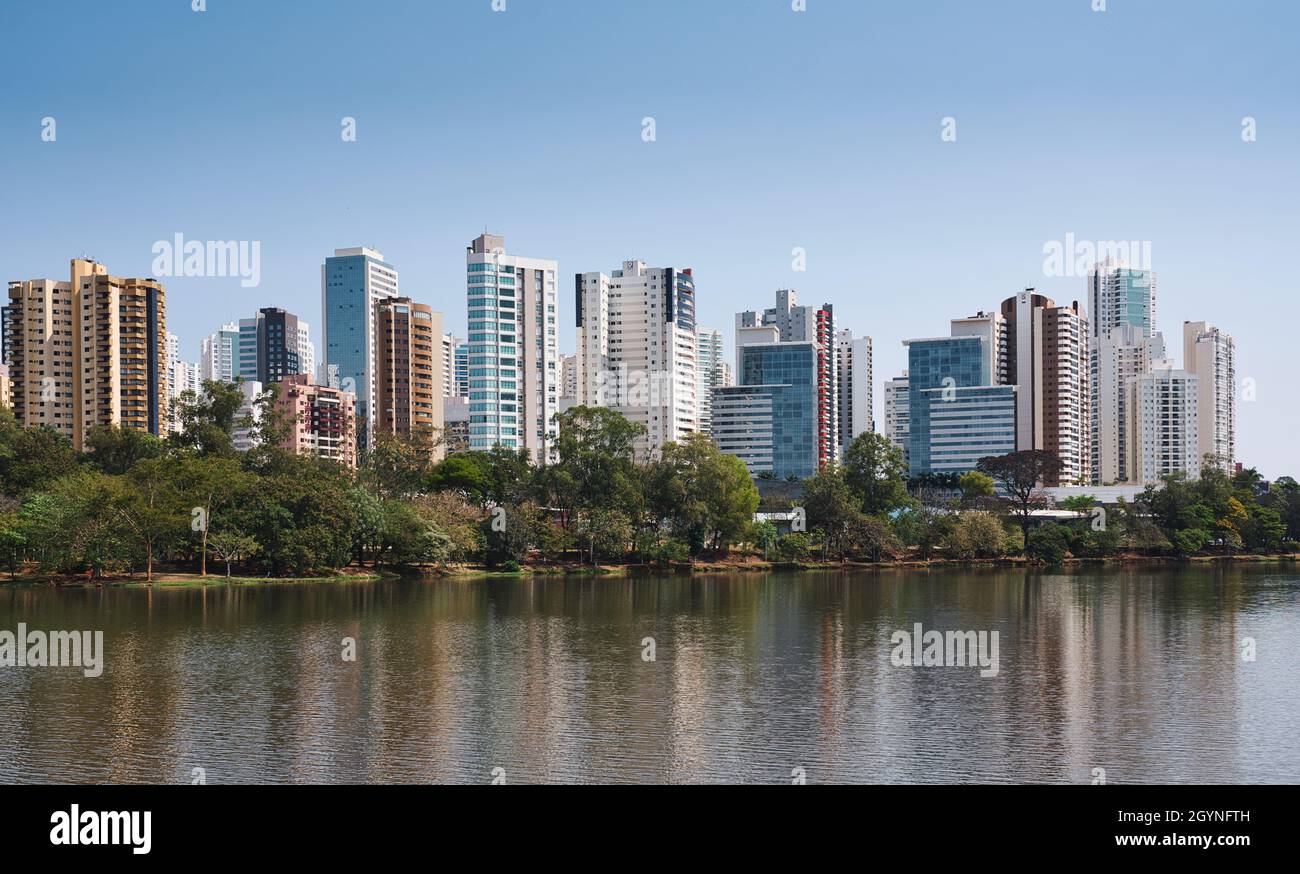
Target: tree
{"points": [[1019, 475], [12, 541], [831, 507], [705, 496], [208, 419], [975, 535], [763, 535], [231, 546], [876, 472], [147, 503], [462, 473], [976, 484], [31, 459], [1048, 543], [596, 466], [208, 487], [115, 449]]}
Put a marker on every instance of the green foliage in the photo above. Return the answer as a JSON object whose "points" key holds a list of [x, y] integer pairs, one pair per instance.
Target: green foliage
{"points": [[876, 473], [793, 547], [1048, 543], [975, 535], [976, 484]]}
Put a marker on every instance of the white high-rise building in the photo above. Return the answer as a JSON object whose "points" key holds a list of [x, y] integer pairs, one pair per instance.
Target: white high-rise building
{"points": [[637, 349], [711, 372], [249, 418], [1162, 425], [514, 358], [352, 282], [306, 350], [449, 344], [1124, 352], [219, 354], [898, 411], [853, 373], [1212, 355], [1047, 357], [568, 382]]}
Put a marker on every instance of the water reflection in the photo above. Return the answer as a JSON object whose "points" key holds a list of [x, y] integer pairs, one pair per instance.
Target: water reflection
{"points": [[1137, 672]]}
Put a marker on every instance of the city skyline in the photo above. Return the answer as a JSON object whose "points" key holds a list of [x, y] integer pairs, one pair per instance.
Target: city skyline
{"points": [[843, 175]]}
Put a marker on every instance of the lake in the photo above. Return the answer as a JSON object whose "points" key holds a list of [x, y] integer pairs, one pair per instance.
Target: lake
{"points": [[756, 678]]}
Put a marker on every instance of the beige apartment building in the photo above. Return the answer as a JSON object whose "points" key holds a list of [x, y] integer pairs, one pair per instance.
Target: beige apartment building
{"points": [[409, 368], [87, 352]]}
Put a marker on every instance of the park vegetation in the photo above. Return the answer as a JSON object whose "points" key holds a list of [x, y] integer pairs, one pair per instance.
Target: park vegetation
{"points": [[134, 504]]}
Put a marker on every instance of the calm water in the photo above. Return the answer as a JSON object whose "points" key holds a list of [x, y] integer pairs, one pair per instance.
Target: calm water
{"points": [[1139, 673]]}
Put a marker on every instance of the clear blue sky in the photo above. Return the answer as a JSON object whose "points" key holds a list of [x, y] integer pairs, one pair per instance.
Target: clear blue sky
{"points": [[775, 129]]}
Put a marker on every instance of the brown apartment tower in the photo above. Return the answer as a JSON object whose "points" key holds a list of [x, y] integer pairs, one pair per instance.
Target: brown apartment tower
{"points": [[88, 352], [409, 369]]}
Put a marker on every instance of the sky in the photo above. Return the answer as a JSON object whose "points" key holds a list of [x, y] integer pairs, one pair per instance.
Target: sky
{"points": [[774, 130]]}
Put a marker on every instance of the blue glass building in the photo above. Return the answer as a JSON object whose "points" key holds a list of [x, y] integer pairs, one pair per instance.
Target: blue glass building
{"points": [[957, 416], [770, 420], [352, 282]]}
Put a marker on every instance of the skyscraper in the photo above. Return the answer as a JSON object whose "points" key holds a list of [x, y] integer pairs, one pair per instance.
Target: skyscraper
{"points": [[770, 420], [219, 355], [352, 282], [88, 352], [898, 412], [514, 358], [636, 348], [1211, 355], [1162, 425], [1048, 359], [853, 374], [1120, 295], [795, 323], [409, 372], [323, 420], [709, 373], [956, 413], [1123, 353]]}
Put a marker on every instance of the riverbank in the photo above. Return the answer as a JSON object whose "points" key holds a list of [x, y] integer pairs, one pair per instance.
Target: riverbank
{"points": [[733, 565]]}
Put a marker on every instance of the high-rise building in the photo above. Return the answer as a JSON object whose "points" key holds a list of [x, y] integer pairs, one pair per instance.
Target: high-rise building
{"points": [[219, 355], [636, 348], [353, 281], [449, 380], [1120, 295], [409, 373], [182, 376], [956, 413], [853, 374], [6, 400], [770, 420], [461, 378], [898, 412], [88, 352], [249, 417], [1124, 352], [795, 323], [1211, 355], [323, 420], [710, 373], [514, 358], [1048, 359], [271, 345], [1162, 425]]}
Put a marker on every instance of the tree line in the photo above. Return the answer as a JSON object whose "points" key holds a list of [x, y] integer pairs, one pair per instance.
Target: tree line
{"points": [[132, 503]]}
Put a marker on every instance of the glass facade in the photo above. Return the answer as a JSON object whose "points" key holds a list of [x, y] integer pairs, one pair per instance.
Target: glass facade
{"points": [[781, 378], [938, 368], [351, 284]]}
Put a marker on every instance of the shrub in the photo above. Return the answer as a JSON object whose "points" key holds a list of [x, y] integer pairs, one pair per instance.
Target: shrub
{"points": [[1048, 544]]}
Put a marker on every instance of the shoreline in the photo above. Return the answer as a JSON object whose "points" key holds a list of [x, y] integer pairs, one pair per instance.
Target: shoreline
{"points": [[693, 568]]}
